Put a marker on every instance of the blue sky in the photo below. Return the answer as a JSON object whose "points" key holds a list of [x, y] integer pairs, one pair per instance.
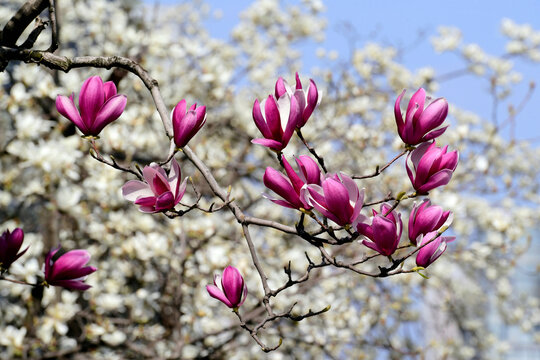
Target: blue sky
{"points": [[399, 23]]}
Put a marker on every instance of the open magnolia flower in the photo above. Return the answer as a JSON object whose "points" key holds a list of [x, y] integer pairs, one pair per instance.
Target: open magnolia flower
{"points": [[278, 122], [338, 199], [99, 106], [159, 192], [382, 231]]}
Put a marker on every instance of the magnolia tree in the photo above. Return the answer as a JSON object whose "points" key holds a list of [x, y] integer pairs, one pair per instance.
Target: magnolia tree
{"points": [[136, 216]]}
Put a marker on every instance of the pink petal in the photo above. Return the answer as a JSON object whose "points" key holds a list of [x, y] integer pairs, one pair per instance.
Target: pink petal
{"points": [[294, 116], [216, 293], [66, 107], [385, 235], [433, 116], [281, 88], [134, 189], [233, 285], [272, 112], [295, 180], [91, 99], [438, 179], [276, 182], [260, 122], [300, 97], [309, 170], [111, 110], [272, 144], [69, 262], [149, 201], [165, 201], [298, 82], [434, 134], [415, 104], [71, 284], [337, 200], [109, 89], [397, 112], [174, 176], [312, 101]]}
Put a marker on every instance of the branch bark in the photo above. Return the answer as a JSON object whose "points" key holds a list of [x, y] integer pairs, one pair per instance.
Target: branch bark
{"points": [[20, 21]]}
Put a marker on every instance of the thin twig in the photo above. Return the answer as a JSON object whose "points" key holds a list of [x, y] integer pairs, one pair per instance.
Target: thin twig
{"points": [[379, 170], [311, 149]]}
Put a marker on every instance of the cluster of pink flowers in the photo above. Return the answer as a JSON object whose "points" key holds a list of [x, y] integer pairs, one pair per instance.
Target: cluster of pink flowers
{"points": [[335, 196], [338, 198]]}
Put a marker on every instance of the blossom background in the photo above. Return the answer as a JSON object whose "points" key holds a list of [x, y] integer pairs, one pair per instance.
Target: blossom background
{"points": [[148, 297]]}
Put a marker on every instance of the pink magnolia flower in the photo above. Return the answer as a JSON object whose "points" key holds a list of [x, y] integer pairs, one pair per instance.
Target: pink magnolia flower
{"points": [[307, 99], [10, 244], [292, 189], [99, 105], [278, 122], [233, 289], [426, 218], [420, 124], [431, 252], [67, 269], [187, 123], [338, 199], [430, 166], [159, 192], [384, 231]]}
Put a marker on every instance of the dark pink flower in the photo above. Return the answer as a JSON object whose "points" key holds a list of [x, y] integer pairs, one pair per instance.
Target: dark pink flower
{"points": [[67, 269], [431, 252], [307, 99], [291, 188], [384, 231], [426, 218], [338, 199], [429, 166], [159, 192], [278, 122], [99, 105], [420, 124], [229, 289], [10, 244], [186, 123]]}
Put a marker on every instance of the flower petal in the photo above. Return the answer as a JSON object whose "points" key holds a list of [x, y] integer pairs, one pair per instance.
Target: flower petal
{"points": [[91, 99], [216, 293], [111, 110], [134, 189], [66, 107]]}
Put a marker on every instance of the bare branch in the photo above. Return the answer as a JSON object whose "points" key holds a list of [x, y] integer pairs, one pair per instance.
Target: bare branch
{"points": [[20, 21]]}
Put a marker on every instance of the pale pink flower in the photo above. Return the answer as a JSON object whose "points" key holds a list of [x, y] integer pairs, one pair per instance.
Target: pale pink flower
{"points": [[159, 192]]}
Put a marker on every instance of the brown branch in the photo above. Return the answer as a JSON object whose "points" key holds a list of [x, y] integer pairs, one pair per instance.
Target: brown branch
{"points": [[54, 26], [311, 149], [39, 27], [20, 21], [379, 170]]}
